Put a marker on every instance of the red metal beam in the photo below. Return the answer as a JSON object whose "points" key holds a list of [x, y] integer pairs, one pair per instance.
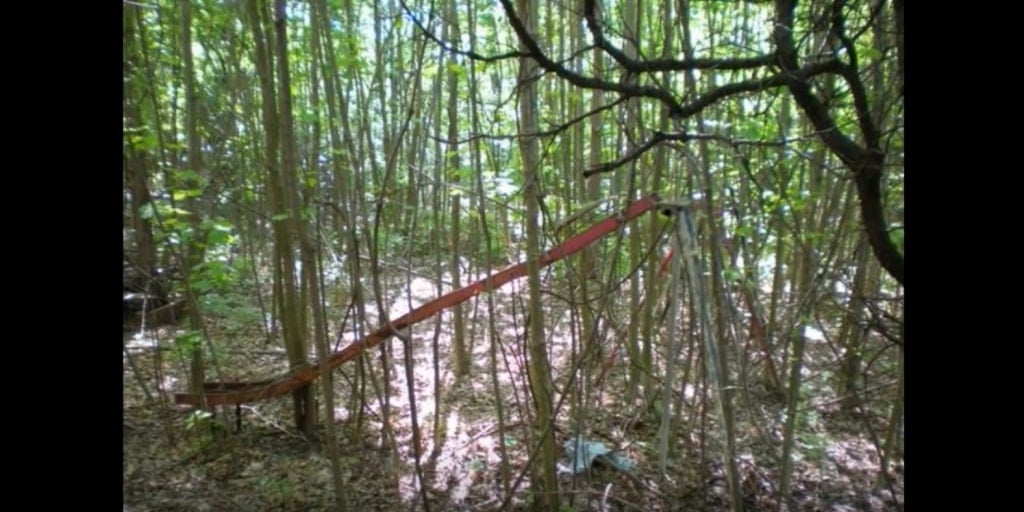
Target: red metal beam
{"points": [[236, 393]]}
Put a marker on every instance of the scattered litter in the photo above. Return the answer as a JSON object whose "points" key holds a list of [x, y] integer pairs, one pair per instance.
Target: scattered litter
{"points": [[582, 454]]}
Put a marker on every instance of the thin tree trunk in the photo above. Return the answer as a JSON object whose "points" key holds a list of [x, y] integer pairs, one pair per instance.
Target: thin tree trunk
{"points": [[544, 481], [195, 247], [295, 307], [461, 355], [312, 268], [493, 334], [714, 359]]}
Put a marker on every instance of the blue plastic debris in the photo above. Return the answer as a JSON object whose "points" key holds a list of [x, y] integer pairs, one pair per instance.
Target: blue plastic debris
{"points": [[582, 454]]}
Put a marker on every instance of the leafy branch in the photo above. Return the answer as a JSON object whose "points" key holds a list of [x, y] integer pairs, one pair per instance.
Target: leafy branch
{"points": [[865, 162]]}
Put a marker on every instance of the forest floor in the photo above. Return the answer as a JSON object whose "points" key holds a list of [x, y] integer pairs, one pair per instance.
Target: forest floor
{"points": [[175, 460]]}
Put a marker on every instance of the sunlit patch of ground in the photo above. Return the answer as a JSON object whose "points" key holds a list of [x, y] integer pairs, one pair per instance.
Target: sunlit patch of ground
{"points": [[270, 467]]}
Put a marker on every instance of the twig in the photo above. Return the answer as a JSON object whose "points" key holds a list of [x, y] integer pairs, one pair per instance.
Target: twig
{"points": [[271, 422]]}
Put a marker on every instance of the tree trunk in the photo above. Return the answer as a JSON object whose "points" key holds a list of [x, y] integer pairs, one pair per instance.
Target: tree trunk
{"points": [[544, 481], [461, 355], [312, 269], [294, 224], [195, 247]]}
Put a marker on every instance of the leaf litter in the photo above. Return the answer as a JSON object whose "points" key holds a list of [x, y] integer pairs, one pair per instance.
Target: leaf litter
{"points": [[172, 462]]}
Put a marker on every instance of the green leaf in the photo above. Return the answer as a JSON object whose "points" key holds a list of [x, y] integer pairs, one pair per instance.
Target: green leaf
{"points": [[221, 225], [456, 70], [218, 237], [187, 342], [309, 212], [751, 130], [147, 211], [198, 419], [185, 175], [181, 195], [871, 53], [732, 274], [896, 235]]}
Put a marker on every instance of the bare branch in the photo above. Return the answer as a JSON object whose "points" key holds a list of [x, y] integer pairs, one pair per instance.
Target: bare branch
{"points": [[657, 65], [735, 64], [658, 137], [449, 48], [847, 151], [851, 75], [676, 109], [137, 4], [778, 80], [546, 133], [897, 6], [566, 125], [627, 90], [865, 164]]}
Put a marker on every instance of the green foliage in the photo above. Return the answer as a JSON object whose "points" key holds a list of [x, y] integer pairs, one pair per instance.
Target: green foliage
{"points": [[399, 242], [186, 343], [174, 229], [198, 420], [211, 276], [744, 230], [170, 221], [350, 53], [732, 274], [235, 310], [807, 418], [456, 71], [277, 490], [384, 121], [141, 138], [896, 235], [813, 445], [220, 233], [186, 178], [498, 251], [203, 425]]}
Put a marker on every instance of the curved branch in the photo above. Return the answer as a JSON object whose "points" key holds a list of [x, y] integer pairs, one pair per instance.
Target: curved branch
{"points": [[850, 73], [451, 49], [659, 137], [658, 65], [864, 163], [656, 139], [735, 64], [676, 109], [543, 133], [897, 6], [778, 80], [627, 90], [847, 151]]}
